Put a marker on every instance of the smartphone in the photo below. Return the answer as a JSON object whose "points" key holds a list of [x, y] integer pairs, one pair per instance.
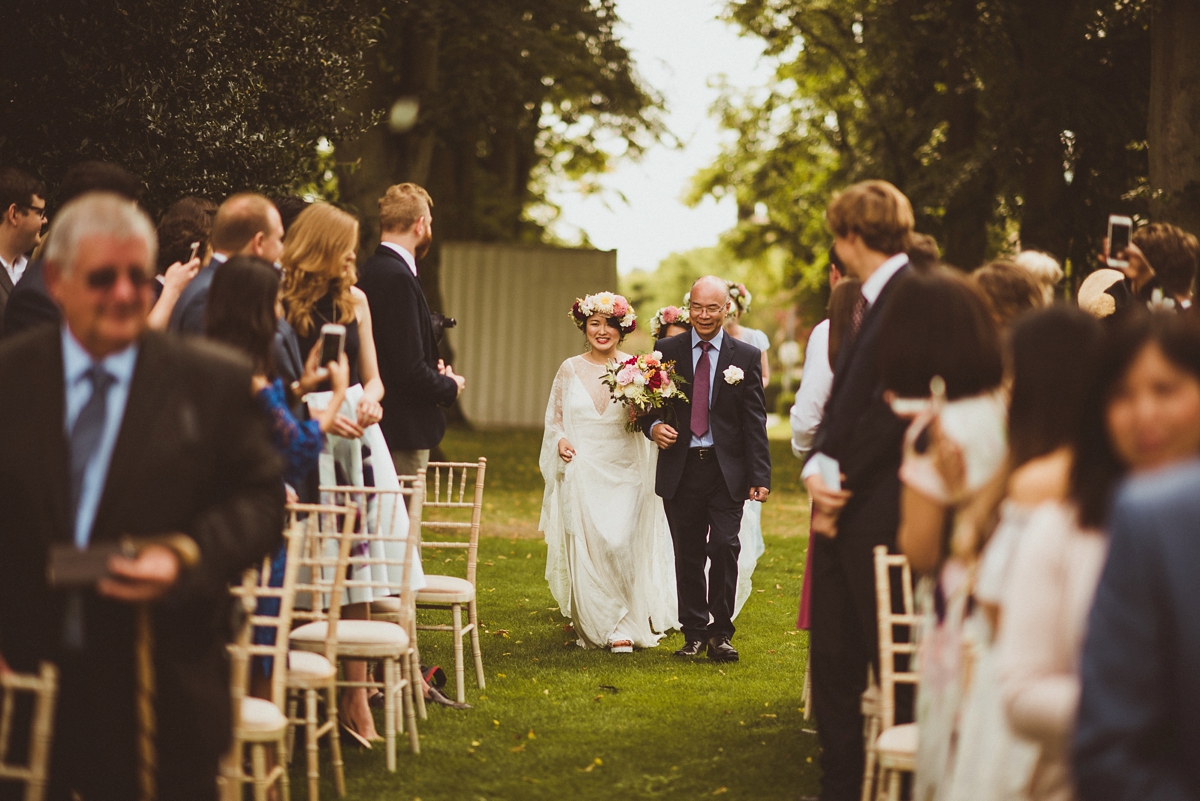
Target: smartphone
{"points": [[333, 343], [912, 407], [195, 250], [1120, 233], [74, 567]]}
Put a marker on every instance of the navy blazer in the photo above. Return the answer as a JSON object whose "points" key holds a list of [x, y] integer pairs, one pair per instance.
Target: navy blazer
{"points": [[188, 315], [407, 353], [860, 431], [1138, 731], [737, 418]]}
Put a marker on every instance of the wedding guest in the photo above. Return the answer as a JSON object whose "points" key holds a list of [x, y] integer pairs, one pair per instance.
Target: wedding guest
{"points": [[30, 304], [670, 321], [741, 298], [1009, 289], [1045, 270], [1051, 352], [245, 225], [608, 559], [938, 329], [1173, 254], [923, 252], [22, 214], [289, 207], [188, 222], [859, 439], [824, 346], [1141, 413], [108, 430], [419, 383], [318, 288]]}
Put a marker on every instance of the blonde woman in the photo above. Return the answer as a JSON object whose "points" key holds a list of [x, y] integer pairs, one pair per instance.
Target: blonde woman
{"points": [[318, 288]]}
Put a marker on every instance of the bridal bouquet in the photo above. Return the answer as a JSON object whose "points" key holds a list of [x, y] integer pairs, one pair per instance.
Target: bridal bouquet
{"points": [[642, 383]]}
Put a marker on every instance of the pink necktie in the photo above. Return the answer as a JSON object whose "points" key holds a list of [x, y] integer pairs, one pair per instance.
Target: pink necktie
{"points": [[700, 396]]}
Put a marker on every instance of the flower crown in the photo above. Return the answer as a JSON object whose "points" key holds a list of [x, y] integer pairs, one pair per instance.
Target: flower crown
{"points": [[610, 305], [740, 295], [669, 315]]}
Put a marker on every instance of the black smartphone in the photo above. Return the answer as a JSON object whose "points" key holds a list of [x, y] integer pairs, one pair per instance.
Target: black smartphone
{"points": [[72, 567]]}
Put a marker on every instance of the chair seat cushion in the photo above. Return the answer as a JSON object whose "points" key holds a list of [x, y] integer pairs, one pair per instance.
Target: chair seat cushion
{"points": [[898, 741], [307, 666], [261, 716], [350, 632], [446, 590]]}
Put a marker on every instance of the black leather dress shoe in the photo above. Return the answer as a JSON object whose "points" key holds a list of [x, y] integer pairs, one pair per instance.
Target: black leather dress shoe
{"points": [[719, 650], [693, 648]]}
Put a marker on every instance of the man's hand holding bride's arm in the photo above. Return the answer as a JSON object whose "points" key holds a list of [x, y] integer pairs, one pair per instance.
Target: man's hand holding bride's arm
{"points": [[565, 451], [827, 505]]}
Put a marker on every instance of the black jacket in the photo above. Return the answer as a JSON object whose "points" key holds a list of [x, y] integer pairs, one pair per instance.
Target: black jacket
{"points": [[737, 419], [860, 431], [408, 354], [193, 455], [30, 305]]}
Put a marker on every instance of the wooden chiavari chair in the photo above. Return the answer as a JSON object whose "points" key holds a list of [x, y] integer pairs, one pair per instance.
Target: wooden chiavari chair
{"points": [[378, 560], [43, 686]]}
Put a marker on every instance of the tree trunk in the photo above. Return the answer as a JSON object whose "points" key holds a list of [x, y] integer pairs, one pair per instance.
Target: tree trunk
{"points": [[1174, 124]]}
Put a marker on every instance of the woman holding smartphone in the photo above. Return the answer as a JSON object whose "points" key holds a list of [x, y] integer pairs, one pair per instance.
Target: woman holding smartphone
{"points": [[318, 288]]}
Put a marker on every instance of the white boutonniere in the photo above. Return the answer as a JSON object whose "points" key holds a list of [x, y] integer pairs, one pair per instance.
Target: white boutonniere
{"points": [[734, 375]]}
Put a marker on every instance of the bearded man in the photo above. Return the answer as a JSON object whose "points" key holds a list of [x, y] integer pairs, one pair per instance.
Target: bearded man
{"points": [[418, 383]]}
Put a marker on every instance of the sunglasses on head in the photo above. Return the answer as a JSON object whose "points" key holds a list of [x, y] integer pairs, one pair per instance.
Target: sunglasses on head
{"points": [[106, 277]]}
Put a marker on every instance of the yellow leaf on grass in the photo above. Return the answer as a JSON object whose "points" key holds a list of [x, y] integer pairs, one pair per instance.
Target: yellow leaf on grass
{"points": [[531, 735], [720, 790], [518, 749]]}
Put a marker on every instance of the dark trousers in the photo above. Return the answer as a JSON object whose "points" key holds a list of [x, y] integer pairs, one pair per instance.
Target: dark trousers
{"points": [[705, 520], [844, 640]]}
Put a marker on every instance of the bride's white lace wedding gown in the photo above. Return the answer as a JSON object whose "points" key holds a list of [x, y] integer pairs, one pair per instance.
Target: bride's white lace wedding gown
{"points": [[609, 563]]}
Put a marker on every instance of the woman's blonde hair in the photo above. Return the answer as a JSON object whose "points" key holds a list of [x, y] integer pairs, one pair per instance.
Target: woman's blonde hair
{"points": [[314, 255]]}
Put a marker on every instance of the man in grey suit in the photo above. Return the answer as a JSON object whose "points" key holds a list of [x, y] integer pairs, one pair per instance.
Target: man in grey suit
{"points": [[1138, 731], [22, 214]]}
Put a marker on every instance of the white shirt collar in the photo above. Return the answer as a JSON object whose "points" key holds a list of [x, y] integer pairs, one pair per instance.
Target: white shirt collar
{"points": [[404, 254], [16, 269], [218, 258], [715, 341], [879, 279]]}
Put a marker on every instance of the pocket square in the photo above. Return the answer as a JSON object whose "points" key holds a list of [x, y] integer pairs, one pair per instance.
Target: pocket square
{"points": [[734, 375]]}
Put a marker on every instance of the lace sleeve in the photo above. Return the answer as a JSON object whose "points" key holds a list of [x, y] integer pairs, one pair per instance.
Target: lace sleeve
{"points": [[299, 442]]}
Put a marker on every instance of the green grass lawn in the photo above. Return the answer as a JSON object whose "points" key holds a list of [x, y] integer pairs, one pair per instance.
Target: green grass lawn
{"points": [[556, 721]]}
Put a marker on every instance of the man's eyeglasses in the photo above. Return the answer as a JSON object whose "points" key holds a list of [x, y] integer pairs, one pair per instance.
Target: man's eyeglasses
{"points": [[106, 278], [696, 308], [38, 210]]}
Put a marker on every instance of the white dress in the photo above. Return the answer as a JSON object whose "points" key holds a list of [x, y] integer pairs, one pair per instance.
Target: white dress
{"points": [[751, 532], [609, 562]]}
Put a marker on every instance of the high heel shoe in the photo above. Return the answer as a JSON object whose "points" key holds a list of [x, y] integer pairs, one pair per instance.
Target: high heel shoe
{"points": [[349, 734]]}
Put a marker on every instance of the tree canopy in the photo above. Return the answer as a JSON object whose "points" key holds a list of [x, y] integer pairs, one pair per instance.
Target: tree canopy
{"points": [[196, 97], [1000, 119]]}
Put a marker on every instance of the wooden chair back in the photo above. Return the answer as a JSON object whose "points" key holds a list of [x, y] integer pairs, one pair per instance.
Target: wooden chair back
{"points": [[896, 613], [455, 486], [322, 557], [43, 686], [384, 539]]}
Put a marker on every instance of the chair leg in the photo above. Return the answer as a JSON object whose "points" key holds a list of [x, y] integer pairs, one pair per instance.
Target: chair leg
{"points": [[314, 766], [291, 716], [869, 773], [419, 684], [806, 697], [475, 650], [389, 712], [893, 785], [459, 670], [335, 739], [281, 759], [410, 693], [258, 760]]}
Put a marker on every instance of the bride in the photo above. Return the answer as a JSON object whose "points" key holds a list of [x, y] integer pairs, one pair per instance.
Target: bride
{"points": [[610, 562]]}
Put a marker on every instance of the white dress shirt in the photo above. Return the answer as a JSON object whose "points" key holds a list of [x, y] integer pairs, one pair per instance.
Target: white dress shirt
{"points": [[816, 383], [871, 289], [76, 363], [402, 251], [16, 269]]}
